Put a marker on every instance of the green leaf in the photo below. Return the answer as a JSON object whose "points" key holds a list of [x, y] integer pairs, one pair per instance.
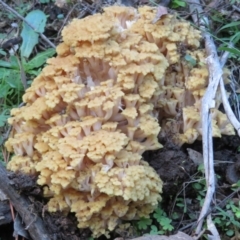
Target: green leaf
{"points": [[5, 64], [230, 233], [14, 62], [3, 117], [14, 80], [60, 16], [155, 231], [143, 223], [3, 52], [231, 50], [39, 60], [217, 18], [37, 19], [11, 78], [191, 60], [34, 72], [4, 90], [237, 214], [201, 168], [158, 214], [217, 220], [197, 186], [237, 184], [178, 3], [166, 223], [235, 38], [232, 24]]}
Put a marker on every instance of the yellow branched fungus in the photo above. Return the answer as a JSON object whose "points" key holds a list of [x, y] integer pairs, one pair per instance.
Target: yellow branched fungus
{"points": [[94, 110]]}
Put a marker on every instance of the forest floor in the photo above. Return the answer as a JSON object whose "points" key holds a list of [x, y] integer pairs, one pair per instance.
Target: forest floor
{"points": [[181, 169]]}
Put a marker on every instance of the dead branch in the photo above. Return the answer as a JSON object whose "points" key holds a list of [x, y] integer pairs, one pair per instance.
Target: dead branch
{"points": [[29, 24], [34, 223], [231, 116], [208, 102]]}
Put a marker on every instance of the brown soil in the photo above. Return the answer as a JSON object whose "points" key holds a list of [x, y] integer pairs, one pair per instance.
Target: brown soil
{"points": [[173, 166]]}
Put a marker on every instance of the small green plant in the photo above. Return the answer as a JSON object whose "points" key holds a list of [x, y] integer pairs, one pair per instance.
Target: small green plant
{"points": [[227, 32], [236, 185], [226, 222], [11, 83], [163, 220], [160, 224], [227, 219], [235, 209]]}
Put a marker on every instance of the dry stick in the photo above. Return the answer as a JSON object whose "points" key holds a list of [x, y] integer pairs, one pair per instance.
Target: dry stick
{"points": [[231, 116], [211, 226], [29, 24], [236, 8], [35, 225], [208, 102]]}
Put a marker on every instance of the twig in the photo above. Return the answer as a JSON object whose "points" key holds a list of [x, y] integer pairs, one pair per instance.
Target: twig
{"points": [[35, 225], [29, 24], [211, 226], [208, 102], [236, 8], [231, 116]]}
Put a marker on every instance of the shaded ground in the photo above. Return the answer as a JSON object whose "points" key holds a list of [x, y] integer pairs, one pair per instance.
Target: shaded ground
{"points": [[179, 173]]}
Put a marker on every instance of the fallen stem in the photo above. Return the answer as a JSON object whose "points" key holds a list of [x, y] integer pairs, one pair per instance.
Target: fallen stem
{"points": [[29, 24], [229, 112], [231, 116]]}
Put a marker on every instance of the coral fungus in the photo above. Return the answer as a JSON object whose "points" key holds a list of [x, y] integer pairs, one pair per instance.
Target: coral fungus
{"points": [[93, 111]]}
